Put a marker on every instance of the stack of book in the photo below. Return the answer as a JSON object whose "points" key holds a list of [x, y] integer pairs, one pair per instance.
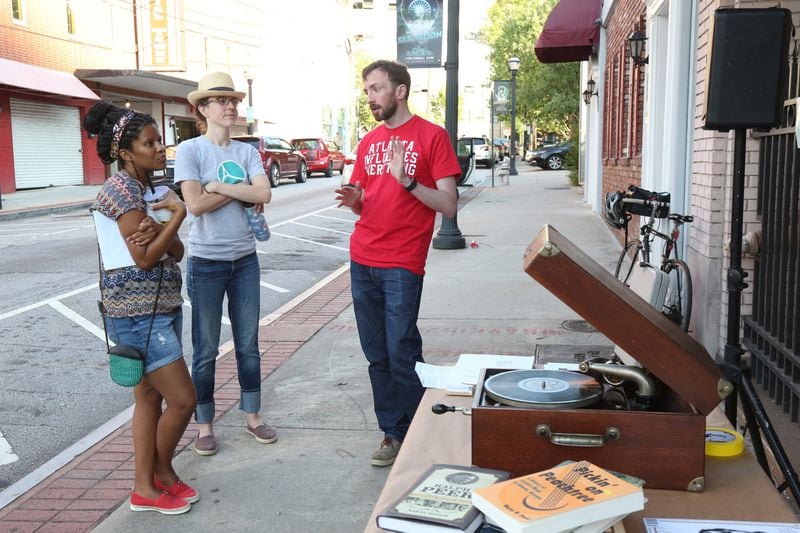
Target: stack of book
{"points": [[570, 497], [578, 497], [440, 501]]}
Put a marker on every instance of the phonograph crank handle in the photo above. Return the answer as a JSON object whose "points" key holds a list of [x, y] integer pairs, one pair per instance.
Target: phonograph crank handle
{"points": [[440, 409], [581, 440]]}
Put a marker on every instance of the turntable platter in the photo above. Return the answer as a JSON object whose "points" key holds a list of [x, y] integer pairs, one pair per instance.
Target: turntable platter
{"points": [[545, 389]]}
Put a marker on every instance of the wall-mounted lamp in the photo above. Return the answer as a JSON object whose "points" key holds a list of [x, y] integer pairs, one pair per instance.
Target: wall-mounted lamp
{"points": [[636, 47], [589, 92], [127, 104], [171, 122]]}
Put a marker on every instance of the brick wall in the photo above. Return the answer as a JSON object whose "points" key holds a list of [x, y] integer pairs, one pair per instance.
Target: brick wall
{"points": [[624, 97], [712, 172]]}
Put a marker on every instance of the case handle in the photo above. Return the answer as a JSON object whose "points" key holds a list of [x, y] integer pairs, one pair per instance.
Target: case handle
{"points": [[581, 440]]}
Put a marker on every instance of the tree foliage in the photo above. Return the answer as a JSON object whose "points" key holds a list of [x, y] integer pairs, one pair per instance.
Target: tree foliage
{"points": [[546, 93]]}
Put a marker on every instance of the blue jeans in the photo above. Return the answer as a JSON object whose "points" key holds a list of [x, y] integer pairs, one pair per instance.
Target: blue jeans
{"points": [[208, 282], [386, 303]]}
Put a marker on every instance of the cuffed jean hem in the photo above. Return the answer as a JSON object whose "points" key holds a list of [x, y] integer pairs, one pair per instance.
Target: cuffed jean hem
{"points": [[204, 413], [250, 401]]}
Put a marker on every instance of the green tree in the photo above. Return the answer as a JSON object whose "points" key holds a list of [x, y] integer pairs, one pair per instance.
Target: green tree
{"points": [[364, 119], [546, 93]]}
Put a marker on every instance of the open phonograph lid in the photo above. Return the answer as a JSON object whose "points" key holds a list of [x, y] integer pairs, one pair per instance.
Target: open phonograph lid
{"points": [[544, 389], [661, 346]]}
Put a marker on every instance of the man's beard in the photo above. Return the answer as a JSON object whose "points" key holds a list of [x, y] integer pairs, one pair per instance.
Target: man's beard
{"points": [[385, 113]]}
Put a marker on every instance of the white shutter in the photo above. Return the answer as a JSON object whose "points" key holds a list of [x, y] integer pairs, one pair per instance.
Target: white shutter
{"points": [[47, 144]]}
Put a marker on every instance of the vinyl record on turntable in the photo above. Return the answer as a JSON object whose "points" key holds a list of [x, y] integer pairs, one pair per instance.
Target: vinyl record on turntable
{"points": [[545, 389]]}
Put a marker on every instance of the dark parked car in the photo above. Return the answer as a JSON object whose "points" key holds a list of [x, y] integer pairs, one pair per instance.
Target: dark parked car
{"points": [[551, 157], [321, 155], [280, 159]]}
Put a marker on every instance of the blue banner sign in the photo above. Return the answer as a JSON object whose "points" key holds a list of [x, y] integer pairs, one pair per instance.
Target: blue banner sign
{"points": [[419, 33]]}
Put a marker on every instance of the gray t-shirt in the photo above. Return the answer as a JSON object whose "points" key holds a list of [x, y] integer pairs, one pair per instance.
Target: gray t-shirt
{"points": [[223, 234]]}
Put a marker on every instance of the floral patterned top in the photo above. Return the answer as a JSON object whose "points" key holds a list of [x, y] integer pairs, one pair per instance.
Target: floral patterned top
{"points": [[131, 291]]}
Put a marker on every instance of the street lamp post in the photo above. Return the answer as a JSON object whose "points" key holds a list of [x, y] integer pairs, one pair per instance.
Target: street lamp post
{"points": [[250, 76], [513, 66]]}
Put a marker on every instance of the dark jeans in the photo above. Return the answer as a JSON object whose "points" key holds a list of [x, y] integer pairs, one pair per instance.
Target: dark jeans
{"points": [[208, 282], [386, 303]]}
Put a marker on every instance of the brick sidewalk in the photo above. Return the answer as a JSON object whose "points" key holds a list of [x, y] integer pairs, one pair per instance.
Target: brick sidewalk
{"points": [[87, 490]]}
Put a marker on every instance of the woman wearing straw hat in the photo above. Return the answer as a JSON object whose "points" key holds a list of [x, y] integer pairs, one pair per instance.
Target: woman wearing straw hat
{"points": [[141, 301], [219, 177]]}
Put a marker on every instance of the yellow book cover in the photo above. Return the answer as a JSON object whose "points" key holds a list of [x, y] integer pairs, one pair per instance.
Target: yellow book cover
{"points": [[558, 499]]}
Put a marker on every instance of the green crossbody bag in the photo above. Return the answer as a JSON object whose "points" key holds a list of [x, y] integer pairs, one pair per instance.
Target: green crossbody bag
{"points": [[126, 363]]}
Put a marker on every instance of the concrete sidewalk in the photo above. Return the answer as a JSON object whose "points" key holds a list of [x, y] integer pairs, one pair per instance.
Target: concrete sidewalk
{"points": [[47, 200], [317, 476]]}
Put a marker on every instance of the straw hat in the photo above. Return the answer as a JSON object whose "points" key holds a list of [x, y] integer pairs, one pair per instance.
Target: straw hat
{"points": [[214, 84]]}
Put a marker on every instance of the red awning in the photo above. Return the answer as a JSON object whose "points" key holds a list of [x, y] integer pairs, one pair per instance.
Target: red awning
{"points": [[25, 76], [570, 33]]}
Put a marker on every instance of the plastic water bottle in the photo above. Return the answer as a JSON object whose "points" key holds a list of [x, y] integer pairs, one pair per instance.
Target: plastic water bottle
{"points": [[258, 224]]}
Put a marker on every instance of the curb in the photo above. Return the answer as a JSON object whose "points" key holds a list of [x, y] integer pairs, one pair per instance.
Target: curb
{"points": [[45, 210]]}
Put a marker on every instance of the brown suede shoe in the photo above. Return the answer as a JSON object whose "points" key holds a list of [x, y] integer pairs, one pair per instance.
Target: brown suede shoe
{"points": [[263, 433], [386, 452], [205, 445]]}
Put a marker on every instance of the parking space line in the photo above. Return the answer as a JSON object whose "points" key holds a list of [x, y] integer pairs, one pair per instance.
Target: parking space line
{"points": [[311, 242], [22, 486], [15, 312], [79, 319], [340, 219], [274, 287], [322, 228], [7, 455], [279, 224]]}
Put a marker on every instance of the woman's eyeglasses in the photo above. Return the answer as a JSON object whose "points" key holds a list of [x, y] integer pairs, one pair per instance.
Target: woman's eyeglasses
{"points": [[225, 100]]}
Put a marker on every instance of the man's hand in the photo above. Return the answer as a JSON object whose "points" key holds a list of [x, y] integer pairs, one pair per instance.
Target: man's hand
{"points": [[349, 195], [397, 164]]}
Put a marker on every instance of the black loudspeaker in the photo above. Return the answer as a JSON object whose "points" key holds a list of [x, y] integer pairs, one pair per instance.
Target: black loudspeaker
{"points": [[749, 66]]}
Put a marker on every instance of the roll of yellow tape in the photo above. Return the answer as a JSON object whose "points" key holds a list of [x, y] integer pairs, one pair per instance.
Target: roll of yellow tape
{"points": [[722, 442]]}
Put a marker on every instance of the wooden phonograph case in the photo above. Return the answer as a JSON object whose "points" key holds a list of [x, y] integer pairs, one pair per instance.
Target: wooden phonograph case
{"points": [[531, 420]]}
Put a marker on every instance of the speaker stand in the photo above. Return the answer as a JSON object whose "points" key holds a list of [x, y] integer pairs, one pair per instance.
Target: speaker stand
{"points": [[756, 418]]}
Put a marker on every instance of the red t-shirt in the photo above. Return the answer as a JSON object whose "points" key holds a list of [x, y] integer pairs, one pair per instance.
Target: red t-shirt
{"points": [[395, 229]]}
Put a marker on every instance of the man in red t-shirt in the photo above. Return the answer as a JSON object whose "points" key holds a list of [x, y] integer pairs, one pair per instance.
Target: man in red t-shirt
{"points": [[405, 171]]}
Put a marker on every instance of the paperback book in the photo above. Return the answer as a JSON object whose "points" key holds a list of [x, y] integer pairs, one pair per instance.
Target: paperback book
{"points": [[440, 501], [558, 499]]}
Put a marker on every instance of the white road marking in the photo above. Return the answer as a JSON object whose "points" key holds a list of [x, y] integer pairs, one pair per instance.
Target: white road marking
{"points": [[279, 224], [80, 320], [9, 314], [311, 242], [25, 484], [340, 219], [322, 228], [7, 455], [274, 287]]}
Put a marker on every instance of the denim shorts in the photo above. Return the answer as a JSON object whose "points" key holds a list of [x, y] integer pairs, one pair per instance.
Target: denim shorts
{"points": [[165, 339]]}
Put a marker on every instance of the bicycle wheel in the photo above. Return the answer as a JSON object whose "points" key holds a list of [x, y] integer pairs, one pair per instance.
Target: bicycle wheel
{"points": [[630, 256], [678, 303]]}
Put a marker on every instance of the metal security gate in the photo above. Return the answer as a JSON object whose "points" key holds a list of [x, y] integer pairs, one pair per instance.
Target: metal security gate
{"points": [[772, 333], [47, 144]]}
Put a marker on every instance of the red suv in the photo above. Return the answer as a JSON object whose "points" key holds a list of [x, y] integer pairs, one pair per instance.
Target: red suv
{"points": [[321, 155], [280, 159]]}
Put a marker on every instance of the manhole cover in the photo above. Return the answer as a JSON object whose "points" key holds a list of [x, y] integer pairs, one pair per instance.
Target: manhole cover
{"points": [[580, 326]]}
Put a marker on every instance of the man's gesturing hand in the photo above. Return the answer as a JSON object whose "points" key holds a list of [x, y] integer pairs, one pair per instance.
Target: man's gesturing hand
{"points": [[349, 195]]}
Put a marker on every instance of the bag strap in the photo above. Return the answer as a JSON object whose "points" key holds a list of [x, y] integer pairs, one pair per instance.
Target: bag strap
{"points": [[103, 307]]}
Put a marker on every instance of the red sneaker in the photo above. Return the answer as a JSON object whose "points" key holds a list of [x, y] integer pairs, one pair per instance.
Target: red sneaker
{"points": [[179, 489], [164, 504]]}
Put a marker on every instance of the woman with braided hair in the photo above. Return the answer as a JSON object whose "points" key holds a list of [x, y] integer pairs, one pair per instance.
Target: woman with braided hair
{"points": [[142, 302]]}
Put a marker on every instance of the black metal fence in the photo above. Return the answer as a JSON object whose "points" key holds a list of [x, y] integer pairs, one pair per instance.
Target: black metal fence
{"points": [[772, 332]]}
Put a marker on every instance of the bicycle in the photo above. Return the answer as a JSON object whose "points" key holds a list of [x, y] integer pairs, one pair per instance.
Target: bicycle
{"points": [[619, 210]]}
